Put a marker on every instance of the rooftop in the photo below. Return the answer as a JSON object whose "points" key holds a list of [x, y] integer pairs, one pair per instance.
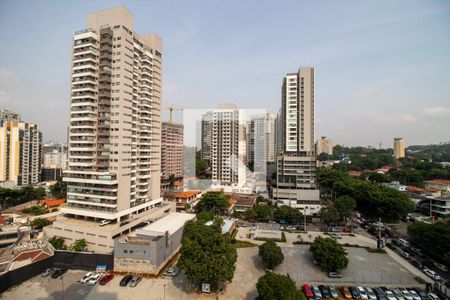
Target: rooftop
{"points": [[52, 202], [187, 194], [226, 226], [437, 181], [171, 223]]}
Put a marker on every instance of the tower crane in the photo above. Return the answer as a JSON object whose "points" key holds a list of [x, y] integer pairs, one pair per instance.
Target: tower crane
{"points": [[171, 109]]}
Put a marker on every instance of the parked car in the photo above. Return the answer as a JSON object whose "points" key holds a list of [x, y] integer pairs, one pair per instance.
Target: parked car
{"points": [[334, 275], [325, 292], [135, 280], [59, 273], [172, 272], [93, 280], [105, 279], [86, 277], [441, 267], [336, 236], [49, 271], [390, 295], [432, 274], [333, 292], [316, 291], [307, 290], [422, 294], [371, 294], [125, 280], [406, 294], [346, 292], [433, 296], [354, 291], [380, 294], [414, 294], [105, 222], [362, 292], [398, 294]]}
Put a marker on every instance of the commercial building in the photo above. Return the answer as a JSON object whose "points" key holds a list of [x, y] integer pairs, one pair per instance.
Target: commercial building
{"points": [[296, 165], [226, 147], [324, 145], [114, 165], [399, 148], [149, 249], [395, 185], [20, 152], [171, 150], [440, 205]]}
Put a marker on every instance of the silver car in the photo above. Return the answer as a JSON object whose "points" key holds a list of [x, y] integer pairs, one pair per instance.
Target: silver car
{"points": [[407, 294], [415, 295], [390, 295], [371, 294], [398, 294], [135, 280]]}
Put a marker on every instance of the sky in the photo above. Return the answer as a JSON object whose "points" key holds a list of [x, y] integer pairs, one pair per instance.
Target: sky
{"points": [[382, 67]]}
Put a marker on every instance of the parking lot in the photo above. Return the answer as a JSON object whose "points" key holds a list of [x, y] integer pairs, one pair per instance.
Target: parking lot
{"points": [[365, 268]]}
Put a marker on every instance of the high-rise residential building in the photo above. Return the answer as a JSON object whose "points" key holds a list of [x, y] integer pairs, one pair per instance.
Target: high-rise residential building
{"points": [[114, 165], [227, 149], [54, 161], [296, 165], [20, 152], [278, 134], [206, 139], [6, 115], [261, 139], [324, 145], [399, 148], [171, 150]]}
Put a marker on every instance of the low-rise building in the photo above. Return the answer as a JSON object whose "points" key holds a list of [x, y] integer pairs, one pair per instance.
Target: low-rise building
{"points": [[52, 203], [228, 226], [244, 202], [440, 184], [187, 200], [395, 185], [147, 250], [440, 206]]}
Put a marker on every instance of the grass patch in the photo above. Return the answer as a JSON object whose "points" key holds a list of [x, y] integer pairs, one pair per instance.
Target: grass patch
{"points": [[420, 280], [244, 244], [375, 250]]}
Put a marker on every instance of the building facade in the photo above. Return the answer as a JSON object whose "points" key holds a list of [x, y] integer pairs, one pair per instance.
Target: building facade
{"points": [[261, 139], [399, 148], [171, 150], [296, 165], [324, 145], [6, 115], [20, 152], [114, 165]]}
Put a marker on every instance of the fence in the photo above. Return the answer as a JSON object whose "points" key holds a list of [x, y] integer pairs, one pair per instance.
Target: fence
{"points": [[66, 259]]}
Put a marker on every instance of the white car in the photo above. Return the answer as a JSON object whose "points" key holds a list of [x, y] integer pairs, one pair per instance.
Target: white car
{"points": [[86, 277], [398, 294], [432, 274], [362, 293], [407, 294], [94, 279], [105, 222], [390, 295], [415, 295], [371, 294], [433, 296]]}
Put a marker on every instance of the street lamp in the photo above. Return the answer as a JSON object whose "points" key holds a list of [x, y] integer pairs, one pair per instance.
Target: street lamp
{"points": [[62, 283]]}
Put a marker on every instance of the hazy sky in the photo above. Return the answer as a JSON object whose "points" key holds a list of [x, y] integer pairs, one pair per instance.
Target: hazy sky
{"points": [[382, 67]]}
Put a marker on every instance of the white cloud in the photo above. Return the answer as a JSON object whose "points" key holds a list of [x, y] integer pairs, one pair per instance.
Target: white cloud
{"points": [[437, 111]]}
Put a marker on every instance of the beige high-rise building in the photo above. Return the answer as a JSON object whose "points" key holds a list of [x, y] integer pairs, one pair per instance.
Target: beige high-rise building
{"points": [[296, 165], [399, 148], [171, 150], [20, 152], [114, 156], [261, 139], [324, 145]]}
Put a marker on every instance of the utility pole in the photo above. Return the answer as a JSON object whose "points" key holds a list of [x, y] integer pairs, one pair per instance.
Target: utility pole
{"points": [[62, 283]]}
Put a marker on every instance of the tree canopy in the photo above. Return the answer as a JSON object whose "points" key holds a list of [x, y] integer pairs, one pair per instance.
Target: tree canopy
{"points": [[330, 255], [78, 245], [271, 254], [262, 213], [59, 189], [272, 286], [215, 202], [345, 205], [329, 213], [207, 255], [39, 223], [13, 197], [371, 199], [289, 214]]}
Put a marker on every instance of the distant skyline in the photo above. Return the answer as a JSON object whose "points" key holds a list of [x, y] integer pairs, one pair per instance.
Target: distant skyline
{"points": [[382, 67]]}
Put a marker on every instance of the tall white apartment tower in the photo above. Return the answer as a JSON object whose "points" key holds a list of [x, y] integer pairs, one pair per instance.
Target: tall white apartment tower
{"points": [[115, 123], [296, 165]]}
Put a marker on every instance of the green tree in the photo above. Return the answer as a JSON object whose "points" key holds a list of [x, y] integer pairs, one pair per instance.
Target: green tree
{"points": [[345, 206], [200, 166], [378, 177], [78, 245], [57, 243], [329, 213], [262, 213], [330, 255], [205, 216], [288, 214], [172, 181], [39, 223], [215, 202], [207, 255], [272, 286], [59, 189], [271, 254]]}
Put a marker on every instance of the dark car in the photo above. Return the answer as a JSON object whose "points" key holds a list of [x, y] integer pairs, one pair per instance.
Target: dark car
{"points": [[422, 294], [125, 280], [380, 294], [354, 291], [325, 291], [59, 273]]}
